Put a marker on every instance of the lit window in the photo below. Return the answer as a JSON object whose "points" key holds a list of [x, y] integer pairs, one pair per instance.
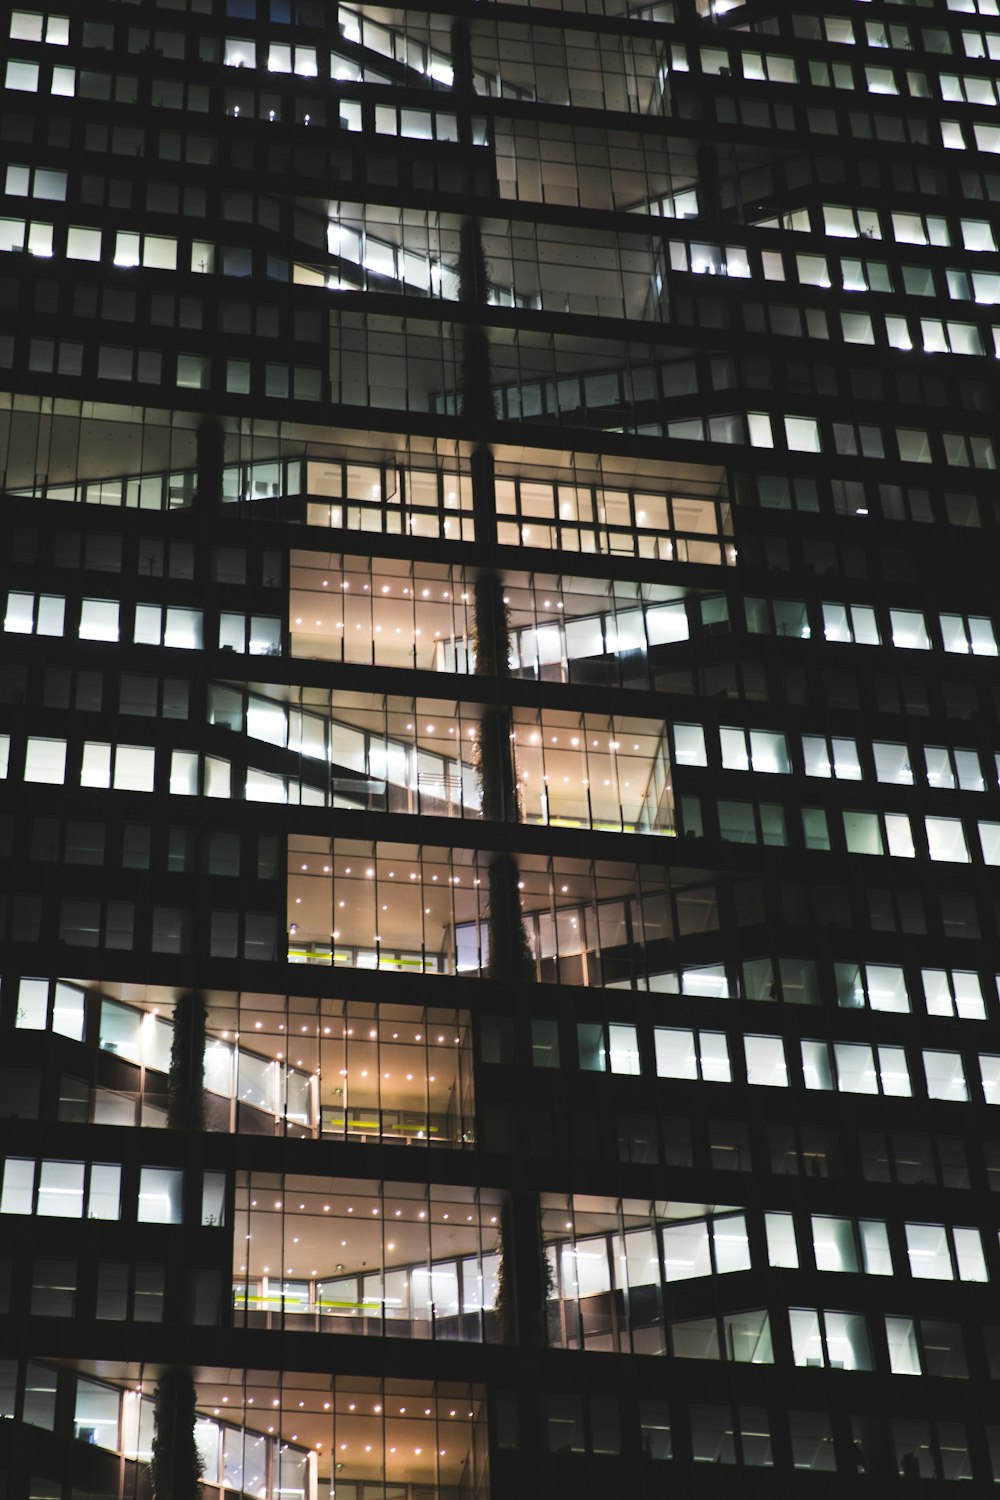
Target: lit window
{"points": [[946, 840], [829, 1340], [953, 992], [945, 1076], [22, 76], [623, 1049], [688, 1054], [134, 768], [765, 1061], [782, 1251], [83, 244], [17, 1196], [99, 620], [909, 631], [160, 1196], [60, 1190], [802, 434], [977, 234], [689, 745], [45, 761]]}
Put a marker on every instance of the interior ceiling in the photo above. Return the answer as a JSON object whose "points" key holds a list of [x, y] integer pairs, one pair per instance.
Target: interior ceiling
{"points": [[303, 1247]]}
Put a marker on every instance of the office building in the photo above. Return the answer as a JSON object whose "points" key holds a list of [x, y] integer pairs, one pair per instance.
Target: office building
{"points": [[499, 715]]}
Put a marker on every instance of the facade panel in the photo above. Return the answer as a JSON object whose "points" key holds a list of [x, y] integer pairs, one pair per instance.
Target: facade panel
{"points": [[499, 766]]}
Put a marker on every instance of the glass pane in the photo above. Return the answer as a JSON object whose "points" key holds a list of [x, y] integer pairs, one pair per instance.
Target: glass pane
{"points": [[876, 1260], [104, 1197], [927, 1249], [729, 1241], [781, 1247], [765, 1058], [17, 1196], [623, 1049], [686, 1251], [60, 1190], [160, 1196], [675, 1053], [847, 1341], [833, 1244]]}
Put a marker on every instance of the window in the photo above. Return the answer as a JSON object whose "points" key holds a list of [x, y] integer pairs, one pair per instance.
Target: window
{"points": [[623, 1049], [989, 838], [591, 1046], [858, 1068], [914, 1159], [851, 223], [33, 1005], [689, 745], [928, 1449], [213, 1199], [751, 823], [787, 617], [654, 1423], [878, 986], [812, 1440], [953, 992], [706, 1247], [134, 767], [760, 750], [827, 757], [99, 620], [27, 26], [40, 1396], [147, 1304], [728, 1144], [919, 229], [60, 1190], [27, 615], [104, 1191], [946, 840], [851, 622], [45, 761], [112, 1291], [892, 763], [842, 1245], [619, 1047], [801, 1151], [718, 1435], [925, 1347], [968, 634], [17, 1194], [949, 768], [692, 1054], [183, 628], [82, 243], [22, 76], [875, 833], [96, 1415], [829, 1340], [802, 435], [544, 1043], [744, 1338], [160, 1196], [909, 631], [53, 1288], [782, 1251], [945, 1075], [765, 1061], [938, 1252], [795, 981]]}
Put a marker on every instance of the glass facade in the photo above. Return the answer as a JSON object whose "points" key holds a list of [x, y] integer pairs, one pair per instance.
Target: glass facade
{"points": [[494, 736]]}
